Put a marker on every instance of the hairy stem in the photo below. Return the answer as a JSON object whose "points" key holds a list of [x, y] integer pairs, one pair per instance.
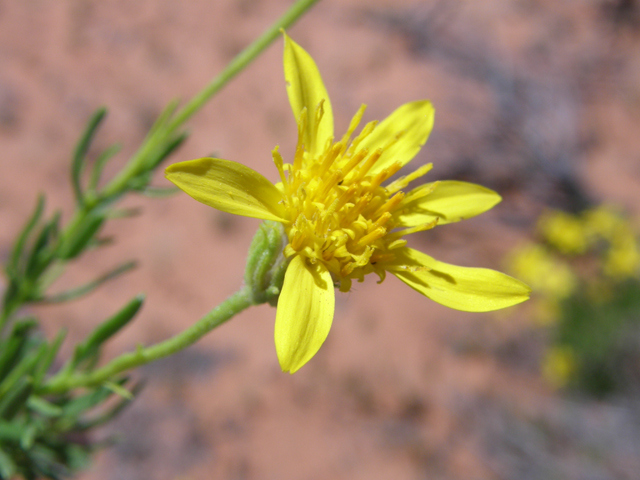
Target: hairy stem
{"points": [[233, 305]]}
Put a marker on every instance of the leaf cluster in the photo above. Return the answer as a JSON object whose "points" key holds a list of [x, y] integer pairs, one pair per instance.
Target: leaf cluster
{"points": [[45, 435]]}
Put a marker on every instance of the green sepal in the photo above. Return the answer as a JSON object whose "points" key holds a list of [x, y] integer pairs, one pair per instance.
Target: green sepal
{"points": [[266, 263]]}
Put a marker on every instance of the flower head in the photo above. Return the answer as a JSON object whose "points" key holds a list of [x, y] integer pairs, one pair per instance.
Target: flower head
{"points": [[342, 218]]}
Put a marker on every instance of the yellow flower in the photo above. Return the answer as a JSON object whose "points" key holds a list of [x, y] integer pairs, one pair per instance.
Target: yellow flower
{"points": [[603, 221], [545, 273], [341, 222], [564, 231], [558, 365], [622, 260]]}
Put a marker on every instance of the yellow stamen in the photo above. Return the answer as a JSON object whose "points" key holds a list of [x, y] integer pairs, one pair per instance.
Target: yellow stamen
{"points": [[402, 182]]}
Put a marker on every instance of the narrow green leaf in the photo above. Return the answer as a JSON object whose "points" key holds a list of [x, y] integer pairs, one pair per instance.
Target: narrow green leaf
{"points": [[28, 436], [113, 412], [82, 148], [10, 431], [10, 299], [41, 252], [163, 118], [76, 244], [43, 407], [14, 343], [13, 400], [79, 405], [7, 466], [160, 192], [22, 369], [108, 328], [43, 461], [13, 265], [118, 390], [101, 242], [140, 181], [100, 163], [166, 149], [78, 456], [89, 287], [47, 360]]}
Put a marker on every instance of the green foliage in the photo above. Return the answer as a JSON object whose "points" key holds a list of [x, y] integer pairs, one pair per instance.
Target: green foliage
{"points": [[46, 435], [585, 273], [604, 339]]}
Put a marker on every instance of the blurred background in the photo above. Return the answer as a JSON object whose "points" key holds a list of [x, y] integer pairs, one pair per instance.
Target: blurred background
{"points": [[537, 99]]}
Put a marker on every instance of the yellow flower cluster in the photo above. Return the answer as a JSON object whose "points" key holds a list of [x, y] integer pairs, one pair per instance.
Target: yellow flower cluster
{"points": [[580, 260], [601, 235]]}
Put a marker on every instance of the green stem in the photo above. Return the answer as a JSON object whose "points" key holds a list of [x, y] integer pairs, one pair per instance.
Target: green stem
{"points": [[242, 60], [196, 103], [233, 305]]}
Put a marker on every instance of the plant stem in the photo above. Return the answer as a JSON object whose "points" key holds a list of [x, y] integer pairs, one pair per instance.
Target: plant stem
{"points": [[233, 305], [242, 60]]}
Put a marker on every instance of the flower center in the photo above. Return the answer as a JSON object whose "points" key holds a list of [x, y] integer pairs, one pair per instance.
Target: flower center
{"points": [[338, 211]]}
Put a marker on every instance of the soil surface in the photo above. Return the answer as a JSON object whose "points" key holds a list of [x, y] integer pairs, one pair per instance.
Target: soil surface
{"points": [[537, 99]]}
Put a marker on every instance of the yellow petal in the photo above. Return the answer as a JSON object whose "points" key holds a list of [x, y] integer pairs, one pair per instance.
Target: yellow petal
{"points": [[305, 312], [228, 186], [413, 122], [306, 90], [450, 201], [462, 288]]}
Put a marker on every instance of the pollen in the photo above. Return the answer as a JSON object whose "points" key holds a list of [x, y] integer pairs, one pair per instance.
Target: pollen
{"points": [[338, 212]]}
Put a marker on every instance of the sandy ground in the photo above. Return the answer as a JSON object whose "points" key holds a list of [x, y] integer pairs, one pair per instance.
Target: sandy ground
{"points": [[527, 93]]}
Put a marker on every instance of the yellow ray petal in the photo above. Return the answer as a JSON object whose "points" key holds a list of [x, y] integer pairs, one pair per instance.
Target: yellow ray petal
{"points": [[413, 122], [228, 186], [306, 90], [450, 201], [304, 315], [462, 288]]}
